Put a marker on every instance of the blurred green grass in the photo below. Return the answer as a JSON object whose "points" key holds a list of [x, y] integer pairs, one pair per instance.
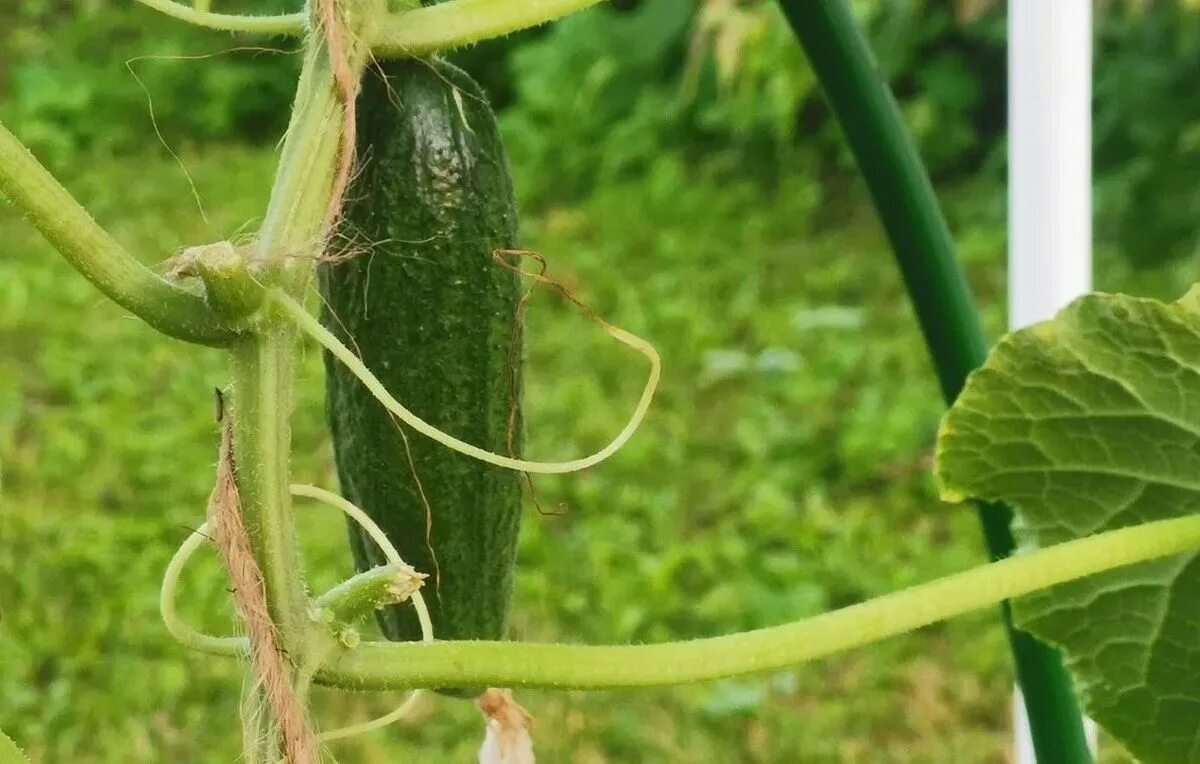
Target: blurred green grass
{"points": [[783, 471]]}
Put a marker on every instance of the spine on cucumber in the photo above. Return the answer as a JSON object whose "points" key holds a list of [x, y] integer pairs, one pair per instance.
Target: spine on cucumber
{"points": [[432, 316]]}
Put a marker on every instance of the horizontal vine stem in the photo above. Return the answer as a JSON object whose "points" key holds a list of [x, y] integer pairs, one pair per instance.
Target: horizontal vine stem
{"points": [[98, 256], [462, 22], [393, 665], [290, 24]]}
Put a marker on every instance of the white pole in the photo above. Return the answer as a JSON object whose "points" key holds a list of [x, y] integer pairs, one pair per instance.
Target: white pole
{"points": [[1049, 182], [1049, 156]]}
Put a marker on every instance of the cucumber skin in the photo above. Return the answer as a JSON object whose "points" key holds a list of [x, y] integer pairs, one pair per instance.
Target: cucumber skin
{"points": [[432, 316]]}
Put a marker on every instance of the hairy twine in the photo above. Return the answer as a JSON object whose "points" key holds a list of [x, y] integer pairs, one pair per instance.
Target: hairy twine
{"points": [[346, 82], [249, 594]]}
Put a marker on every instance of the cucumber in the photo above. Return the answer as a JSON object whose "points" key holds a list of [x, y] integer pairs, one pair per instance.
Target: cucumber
{"points": [[432, 316]]}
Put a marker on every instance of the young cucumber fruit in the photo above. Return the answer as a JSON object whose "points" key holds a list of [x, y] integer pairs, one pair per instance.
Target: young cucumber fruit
{"points": [[432, 315]]}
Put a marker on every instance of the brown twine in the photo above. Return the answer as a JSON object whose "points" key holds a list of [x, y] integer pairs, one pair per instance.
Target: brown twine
{"points": [[540, 277], [514, 363], [514, 344], [502, 257], [249, 594], [346, 83], [412, 467]]}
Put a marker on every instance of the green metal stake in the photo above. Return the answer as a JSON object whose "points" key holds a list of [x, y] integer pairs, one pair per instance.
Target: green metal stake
{"points": [[920, 238]]}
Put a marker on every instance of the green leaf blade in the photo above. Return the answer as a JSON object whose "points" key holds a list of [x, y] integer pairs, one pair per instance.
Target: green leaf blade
{"points": [[1087, 423], [9, 752]]}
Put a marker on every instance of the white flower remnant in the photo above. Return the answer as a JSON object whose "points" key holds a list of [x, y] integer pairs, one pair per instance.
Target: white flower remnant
{"points": [[405, 584], [507, 740]]}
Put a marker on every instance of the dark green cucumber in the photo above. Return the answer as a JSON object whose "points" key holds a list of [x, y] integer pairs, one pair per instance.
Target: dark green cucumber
{"points": [[432, 316]]}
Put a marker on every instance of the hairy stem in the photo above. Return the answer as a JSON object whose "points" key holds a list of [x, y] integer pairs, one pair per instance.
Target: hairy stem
{"points": [[262, 384], [290, 239], [293, 232], [99, 257], [290, 235], [461, 22], [395, 665]]}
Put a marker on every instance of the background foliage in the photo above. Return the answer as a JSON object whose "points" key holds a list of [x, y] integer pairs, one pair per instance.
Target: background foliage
{"points": [[641, 78], [677, 166]]}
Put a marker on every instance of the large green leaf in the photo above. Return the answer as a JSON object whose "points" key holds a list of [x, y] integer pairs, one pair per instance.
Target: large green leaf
{"points": [[9, 752], [1082, 424]]}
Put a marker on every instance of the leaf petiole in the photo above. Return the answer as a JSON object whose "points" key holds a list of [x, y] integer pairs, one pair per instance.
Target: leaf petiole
{"points": [[462, 22], [99, 257], [293, 24]]}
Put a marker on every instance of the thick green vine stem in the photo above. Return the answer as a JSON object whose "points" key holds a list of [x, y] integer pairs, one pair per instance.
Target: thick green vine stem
{"points": [[263, 373], [396, 665], [291, 236], [462, 22], [289, 242], [99, 257]]}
